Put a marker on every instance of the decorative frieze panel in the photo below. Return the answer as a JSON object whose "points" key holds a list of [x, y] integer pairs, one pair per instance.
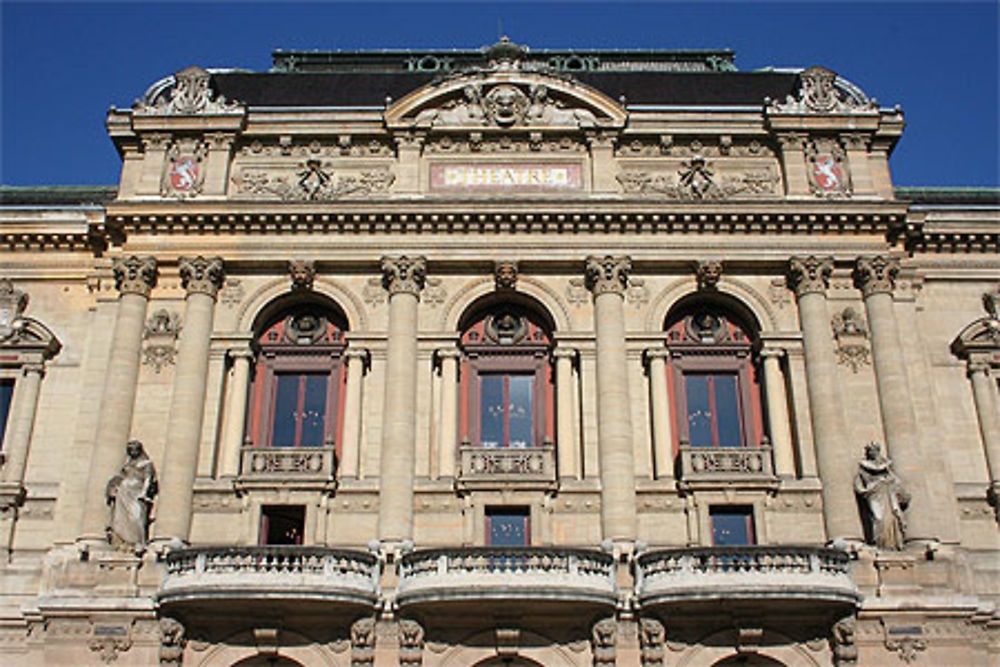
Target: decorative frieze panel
{"points": [[670, 145], [345, 146], [728, 463], [310, 180], [700, 179], [529, 143], [491, 465], [287, 462]]}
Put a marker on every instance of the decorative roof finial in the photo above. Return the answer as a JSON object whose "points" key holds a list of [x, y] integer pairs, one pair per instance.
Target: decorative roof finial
{"points": [[505, 52]]}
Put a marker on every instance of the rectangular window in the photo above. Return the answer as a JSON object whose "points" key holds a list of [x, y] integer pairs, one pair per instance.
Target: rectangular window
{"points": [[6, 398], [507, 410], [732, 525], [507, 527], [282, 524], [299, 409], [713, 410]]}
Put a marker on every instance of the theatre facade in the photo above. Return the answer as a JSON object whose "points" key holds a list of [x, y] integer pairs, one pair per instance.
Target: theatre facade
{"points": [[502, 357]]}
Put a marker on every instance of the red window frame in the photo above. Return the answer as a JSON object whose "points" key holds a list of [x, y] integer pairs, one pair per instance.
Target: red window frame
{"points": [[542, 394], [737, 364]]}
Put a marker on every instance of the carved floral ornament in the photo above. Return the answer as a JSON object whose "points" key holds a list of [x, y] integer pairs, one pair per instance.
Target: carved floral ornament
{"points": [[404, 274], [608, 274], [134, 275], [310, 180], [200, 275], [876, 275], [697, 180], [160, 335], [851, 334], [821, 91], [187, 92], [808, 275]]}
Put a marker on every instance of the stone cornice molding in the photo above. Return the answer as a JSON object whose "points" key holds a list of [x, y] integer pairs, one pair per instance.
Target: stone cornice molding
{"points": [[875, 275], [809, 275], [200, 275], [135, 275], [607, 275], [406, 275]]}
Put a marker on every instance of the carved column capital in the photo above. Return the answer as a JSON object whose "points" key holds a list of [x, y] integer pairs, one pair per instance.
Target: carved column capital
{"points": [[200, 275], [790, 141], [855, 141], [135, 275], [404, 274], [447, 353], [808, 275], [876, 275], [564, 353], [240, 353], [768, 352], [608, 274], [976, 366], [655, 353]]}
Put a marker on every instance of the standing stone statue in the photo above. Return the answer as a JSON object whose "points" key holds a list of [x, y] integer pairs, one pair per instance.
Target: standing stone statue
{"points": [[882, 497], [130, 495]]}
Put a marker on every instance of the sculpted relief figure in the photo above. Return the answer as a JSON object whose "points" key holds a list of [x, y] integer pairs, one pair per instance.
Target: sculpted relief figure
{"points": [[467, 111], [882, 497], [130, 495]]}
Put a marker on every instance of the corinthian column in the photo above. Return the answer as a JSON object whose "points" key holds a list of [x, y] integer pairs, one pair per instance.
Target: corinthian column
{"points": [[134, 278], [607, 278], [876, 277], [984, 394], [22, 422], [201, 278], [808, 277], [403, 277]]}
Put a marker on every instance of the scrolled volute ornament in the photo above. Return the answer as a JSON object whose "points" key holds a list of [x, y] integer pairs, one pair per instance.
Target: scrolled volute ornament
{"points": [[820, 91], [191, 94], [607, 275], [403, 274], [134, 275], [200, 275], [809, 275], [876, 275]]}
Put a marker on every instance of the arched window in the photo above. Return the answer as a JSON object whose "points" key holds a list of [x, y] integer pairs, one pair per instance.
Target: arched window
{"points": [[506, 378], [296, 398], [715, 387]]}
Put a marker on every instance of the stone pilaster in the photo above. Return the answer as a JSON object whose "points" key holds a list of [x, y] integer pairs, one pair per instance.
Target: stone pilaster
{"points": [[777, 413], [856, 148], [448, 413], [403, 277], [566, 443], [202, 279], [350, 446], [607, 277], [876, 277], [236, 410], [134, 278], [659, 406], [793, 162], [22, 422], [984, 394], [809, 277]]}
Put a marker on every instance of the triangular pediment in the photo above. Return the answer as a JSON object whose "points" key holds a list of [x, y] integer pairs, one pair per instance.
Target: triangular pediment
{"points": [[503, 100]]}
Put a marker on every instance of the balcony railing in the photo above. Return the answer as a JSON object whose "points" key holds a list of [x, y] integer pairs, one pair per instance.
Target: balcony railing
{"points": [[513, 574], [288, 462], [811, 574], [726, 463], [269, 572], [487, 466]]}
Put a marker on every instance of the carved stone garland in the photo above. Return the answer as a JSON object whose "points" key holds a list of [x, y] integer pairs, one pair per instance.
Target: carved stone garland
{"points": [[160, 335], [851, 334]]}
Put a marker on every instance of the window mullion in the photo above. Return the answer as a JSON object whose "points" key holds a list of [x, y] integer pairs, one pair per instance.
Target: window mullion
{"points": [[300, 410], [713, 410], [506, 411]]}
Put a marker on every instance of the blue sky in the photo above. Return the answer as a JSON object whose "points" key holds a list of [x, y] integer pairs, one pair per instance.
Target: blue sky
{"points": [[63, 65]]}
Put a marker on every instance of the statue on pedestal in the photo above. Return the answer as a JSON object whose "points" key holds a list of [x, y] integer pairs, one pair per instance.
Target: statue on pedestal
{"points": [[130, 495], [883, 499]]}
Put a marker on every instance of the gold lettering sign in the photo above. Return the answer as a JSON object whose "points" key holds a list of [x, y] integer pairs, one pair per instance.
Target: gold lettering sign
{"points": [[506, 177]]}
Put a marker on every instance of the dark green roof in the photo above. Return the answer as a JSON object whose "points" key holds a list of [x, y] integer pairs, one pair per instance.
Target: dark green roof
{"points": [[53, 195]]}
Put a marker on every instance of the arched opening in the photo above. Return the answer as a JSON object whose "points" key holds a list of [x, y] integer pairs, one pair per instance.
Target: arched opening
{"points": [[296, 395], [506, 374], [512, 661], [749, 660], [267, 661]]}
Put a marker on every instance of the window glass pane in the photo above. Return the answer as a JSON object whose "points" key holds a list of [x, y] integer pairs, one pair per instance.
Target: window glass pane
{"points": [[6, 396], [508, 530], [286, 403], [732, 526], [727, 411], [314, 410], [699, 413], [521, 411], [491, 411]]}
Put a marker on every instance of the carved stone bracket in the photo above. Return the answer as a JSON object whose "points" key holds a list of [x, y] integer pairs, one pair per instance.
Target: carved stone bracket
{"points": [[134, 275], [603, 639], [404, 274], [851, 334], [160, 335], [505, 275], [845, 651], [302, 273], [411, 643], [875, 275], [905, 641], [172, 642], [110, 640], [651, 639], [607, 274], [807, 275], [363, 642], [200, 275]]}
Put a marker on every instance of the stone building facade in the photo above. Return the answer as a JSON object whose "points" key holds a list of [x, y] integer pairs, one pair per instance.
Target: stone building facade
{"points": [[500, 357]]}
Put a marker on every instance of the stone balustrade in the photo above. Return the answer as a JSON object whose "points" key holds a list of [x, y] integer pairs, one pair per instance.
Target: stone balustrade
{"points": [[514, 574], [726, 463], [529, 466], [764, 573], [286, 462], [204, 574]]}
